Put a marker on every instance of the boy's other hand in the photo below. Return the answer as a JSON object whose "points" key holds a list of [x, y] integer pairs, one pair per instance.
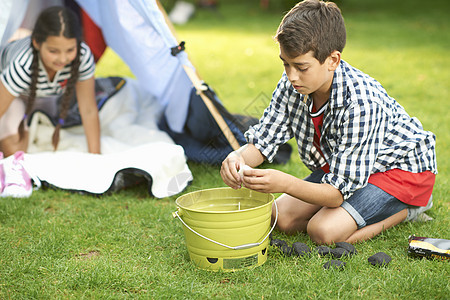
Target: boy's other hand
{"points": [[266, 180], [230, 170]]}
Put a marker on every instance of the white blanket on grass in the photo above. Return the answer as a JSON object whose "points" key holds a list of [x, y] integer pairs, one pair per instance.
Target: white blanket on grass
{"points": [[131, 142]]}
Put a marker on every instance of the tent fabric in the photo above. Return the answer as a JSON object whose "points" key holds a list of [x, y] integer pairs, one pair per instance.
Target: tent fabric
{"points": [[92, 36], [12, 12], [137, 32]]}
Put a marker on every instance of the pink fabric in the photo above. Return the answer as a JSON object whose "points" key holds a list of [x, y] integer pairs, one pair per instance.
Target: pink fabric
{"points": [[17, 179]]}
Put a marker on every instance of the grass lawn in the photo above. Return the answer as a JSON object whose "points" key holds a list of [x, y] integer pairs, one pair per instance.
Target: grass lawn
{"points": [[127, 245]]}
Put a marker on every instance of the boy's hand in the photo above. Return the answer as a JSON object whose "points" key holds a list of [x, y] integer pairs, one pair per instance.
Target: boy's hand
{"points": [[266, 180], [229, 170]]}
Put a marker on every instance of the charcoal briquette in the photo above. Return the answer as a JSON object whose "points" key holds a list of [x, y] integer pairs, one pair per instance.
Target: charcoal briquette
{"points": [[278, 243], [380, 259], [300, 249], [339, 252], [349, 247], [287, 250], [323, 250], [336, 264]]}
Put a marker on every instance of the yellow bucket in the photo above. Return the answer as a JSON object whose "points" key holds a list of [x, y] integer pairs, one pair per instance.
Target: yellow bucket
{"points": [[226, 229]]}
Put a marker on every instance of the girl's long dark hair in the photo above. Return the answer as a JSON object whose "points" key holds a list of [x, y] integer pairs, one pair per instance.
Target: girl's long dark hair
{"points": [[54, 21]]}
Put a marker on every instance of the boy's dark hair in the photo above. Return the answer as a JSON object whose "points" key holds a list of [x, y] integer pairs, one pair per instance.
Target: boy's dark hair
{"points": [[54, 21], [312, 25]]}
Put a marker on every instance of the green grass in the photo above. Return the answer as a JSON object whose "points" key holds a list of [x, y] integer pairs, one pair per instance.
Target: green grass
{"points": [[127, 245]]}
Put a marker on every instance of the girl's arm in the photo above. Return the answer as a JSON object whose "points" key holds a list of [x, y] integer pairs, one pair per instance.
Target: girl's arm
{"points": [[89, 113], [5, 99]]}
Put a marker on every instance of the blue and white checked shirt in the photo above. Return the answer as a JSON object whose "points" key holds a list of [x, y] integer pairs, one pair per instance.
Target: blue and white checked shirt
{"points": [[364, 131]]}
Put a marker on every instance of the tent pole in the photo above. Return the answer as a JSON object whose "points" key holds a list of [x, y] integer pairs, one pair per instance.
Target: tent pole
{"points": [[193, 76]]}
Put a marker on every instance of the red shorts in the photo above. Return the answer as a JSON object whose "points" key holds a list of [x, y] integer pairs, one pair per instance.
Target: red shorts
{"points": [[410, 188]]}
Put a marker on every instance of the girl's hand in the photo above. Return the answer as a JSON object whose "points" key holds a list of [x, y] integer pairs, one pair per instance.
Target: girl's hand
{"points": [[229, 170], [266, 180]]}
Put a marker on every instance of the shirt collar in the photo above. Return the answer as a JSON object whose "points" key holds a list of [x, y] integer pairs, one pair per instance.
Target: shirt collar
{"points": [[338, 96]]}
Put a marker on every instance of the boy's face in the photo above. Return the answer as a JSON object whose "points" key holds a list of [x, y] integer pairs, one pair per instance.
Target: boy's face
{"points": [[308, 75]]}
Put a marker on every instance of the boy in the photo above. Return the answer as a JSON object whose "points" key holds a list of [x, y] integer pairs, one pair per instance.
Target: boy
{"points": [[373, 165]]}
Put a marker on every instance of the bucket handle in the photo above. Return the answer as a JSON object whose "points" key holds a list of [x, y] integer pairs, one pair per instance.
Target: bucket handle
{"points": [[240, 247]]}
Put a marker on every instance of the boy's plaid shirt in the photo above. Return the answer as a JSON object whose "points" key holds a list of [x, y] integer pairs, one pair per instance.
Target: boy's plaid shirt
{"points": [[364, 131]]}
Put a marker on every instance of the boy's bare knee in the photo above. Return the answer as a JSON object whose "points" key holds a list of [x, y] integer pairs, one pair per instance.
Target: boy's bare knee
{"points": [[283, 220], [331, 225], [286, 221], [293, 214], [320, 233], [285, 225]]}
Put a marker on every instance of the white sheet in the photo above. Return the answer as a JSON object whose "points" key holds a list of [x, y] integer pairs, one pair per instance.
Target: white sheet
{"points": [[130, 139]]}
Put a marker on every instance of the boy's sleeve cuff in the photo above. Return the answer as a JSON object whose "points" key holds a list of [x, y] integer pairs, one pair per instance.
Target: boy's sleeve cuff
{"points": [[338, 183], [269, 151]]}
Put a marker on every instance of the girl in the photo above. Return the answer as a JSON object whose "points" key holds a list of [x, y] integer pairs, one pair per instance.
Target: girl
{"points": [[52, 62]]}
